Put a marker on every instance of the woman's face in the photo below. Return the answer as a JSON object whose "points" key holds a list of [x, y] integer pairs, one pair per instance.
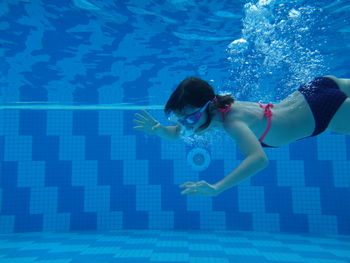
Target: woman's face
{"points": [[188, 110]]}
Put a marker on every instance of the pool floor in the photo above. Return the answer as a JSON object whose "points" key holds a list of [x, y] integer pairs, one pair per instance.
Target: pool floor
{"points": [[173, 246]]}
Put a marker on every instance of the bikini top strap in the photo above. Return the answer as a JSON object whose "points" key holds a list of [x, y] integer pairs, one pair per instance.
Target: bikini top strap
{"points": [[268, 115], [223, 111]]}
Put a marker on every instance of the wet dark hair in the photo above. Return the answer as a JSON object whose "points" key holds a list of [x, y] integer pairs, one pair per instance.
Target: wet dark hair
{"points": [[196, 92]]}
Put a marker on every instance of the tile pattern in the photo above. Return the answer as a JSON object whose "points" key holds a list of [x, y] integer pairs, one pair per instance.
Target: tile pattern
{"points": [[172, 246], [92, 181]]}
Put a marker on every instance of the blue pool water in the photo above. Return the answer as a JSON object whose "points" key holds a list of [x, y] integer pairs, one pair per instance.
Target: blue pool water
{"points": [[79, 184]]}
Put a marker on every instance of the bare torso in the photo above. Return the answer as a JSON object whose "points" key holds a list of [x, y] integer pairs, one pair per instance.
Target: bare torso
{"points": [[292, 119]]}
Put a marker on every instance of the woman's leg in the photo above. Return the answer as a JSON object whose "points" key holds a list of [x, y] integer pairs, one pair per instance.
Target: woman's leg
{"points": [[341, 120], [343, 84]]}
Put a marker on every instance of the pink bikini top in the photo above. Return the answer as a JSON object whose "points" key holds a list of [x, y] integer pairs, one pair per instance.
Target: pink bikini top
{"points": [[223, 111], [267, 114]]}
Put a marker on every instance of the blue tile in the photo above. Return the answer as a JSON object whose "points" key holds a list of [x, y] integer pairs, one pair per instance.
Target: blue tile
{"points": [[28, 223], [207, 254], [186, 220], [16, 201], [32, 93], [153, 143], [171, 246], [98, 147], [58, 173], [9, 173], [294, 223], [86, 95], [49, 143], [171, 199], [110, 172], [28, 253], [266, 177], [308, 152], [135, 220], [249, 259], [32, 122], [128, 200], [319, 254], [319, 174], [239, 221], [2, 149], [156, 177], [57, 255], [70, 199], [334, 200], [85, 123], [83, 221], [347, 147], [278, 199], [220, 202]]}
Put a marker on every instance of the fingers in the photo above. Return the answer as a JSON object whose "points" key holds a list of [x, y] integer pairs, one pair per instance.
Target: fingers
{"points": [[187, 184], [194, 188], [146, 116], [191, 188], [140, 116], [145, 120], [189, 191], [140, 123], [201, 182], [149, 116]]}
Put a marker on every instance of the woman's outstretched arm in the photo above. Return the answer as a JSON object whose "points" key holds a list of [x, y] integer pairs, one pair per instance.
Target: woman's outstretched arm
{"points": [[167, 132], [148, 124], [255, 161]]}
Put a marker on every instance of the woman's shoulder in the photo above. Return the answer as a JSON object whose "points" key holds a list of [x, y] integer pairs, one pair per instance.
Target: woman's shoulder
{"points": [[243, 111]]}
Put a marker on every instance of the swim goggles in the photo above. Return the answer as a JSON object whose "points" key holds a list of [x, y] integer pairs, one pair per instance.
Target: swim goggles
{"points": [[189, 121]]}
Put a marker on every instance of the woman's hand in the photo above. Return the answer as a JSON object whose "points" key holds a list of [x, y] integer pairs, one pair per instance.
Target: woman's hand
{"points": [[199, 188], [147, 122]]}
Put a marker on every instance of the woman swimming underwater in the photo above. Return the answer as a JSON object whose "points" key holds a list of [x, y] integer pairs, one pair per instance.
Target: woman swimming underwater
{"points": [[321, 105]]}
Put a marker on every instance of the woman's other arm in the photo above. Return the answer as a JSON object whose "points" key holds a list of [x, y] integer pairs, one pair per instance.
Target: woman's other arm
{"points": [[255, 161]]}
